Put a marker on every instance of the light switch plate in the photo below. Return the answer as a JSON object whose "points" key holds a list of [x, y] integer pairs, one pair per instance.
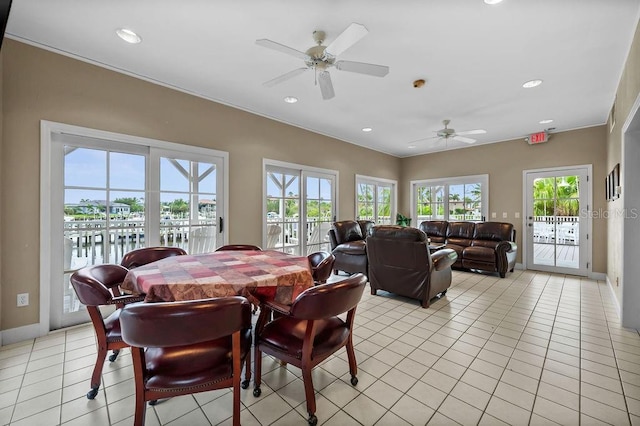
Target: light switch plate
{"points": [[493, 215]]}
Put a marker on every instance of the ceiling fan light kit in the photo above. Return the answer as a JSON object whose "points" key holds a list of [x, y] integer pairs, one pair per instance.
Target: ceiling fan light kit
{"points": [[321, 58], [448, 133]]}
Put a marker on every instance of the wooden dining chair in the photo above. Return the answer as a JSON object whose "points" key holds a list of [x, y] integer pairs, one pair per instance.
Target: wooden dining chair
{"points": [[142, 256], [309, 331], [239, 247], [97, 286], [321, 266], [173, 354]]}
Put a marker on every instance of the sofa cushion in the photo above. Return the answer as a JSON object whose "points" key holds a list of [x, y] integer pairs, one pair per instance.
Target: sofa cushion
{"points": [[436, 230], [494, 231], [352, 247], [347, 230], [479, 254], [461, 231], [365, 227], [491, 244]]}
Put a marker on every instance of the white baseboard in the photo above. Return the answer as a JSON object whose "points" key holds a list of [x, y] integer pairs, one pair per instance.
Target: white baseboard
{"points": [[18, 334], [519, 266], [600, 276]]}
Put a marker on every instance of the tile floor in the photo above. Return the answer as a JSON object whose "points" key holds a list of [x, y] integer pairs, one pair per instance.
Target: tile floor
{"points": [[533, 348]]}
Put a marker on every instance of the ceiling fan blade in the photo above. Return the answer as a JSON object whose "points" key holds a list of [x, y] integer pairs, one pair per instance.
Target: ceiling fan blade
{"points": [[326, 87], [282, 48], [284, 77], [346, 39], [463, 139], [472, 132], [363, 68]]}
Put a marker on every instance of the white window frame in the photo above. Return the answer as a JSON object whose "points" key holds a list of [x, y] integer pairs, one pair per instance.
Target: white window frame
{"points": [[446, 182], [371, 180]]}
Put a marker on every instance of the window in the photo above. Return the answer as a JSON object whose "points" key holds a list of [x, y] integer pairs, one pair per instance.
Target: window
{"points": [[299, 207], [456, 198], [375, 199]]}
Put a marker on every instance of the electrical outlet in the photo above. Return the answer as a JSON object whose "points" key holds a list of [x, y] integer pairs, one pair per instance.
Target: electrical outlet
{"points": [[23, 299]]}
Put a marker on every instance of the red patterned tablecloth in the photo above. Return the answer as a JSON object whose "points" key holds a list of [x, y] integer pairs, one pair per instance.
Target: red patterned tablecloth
{"points": [[257, 275]]}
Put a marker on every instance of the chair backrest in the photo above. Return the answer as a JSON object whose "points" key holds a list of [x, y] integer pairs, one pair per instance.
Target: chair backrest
{"points": [[93, 284], [329, 300], [202, 240], [142, 256], [239, 247], [321, 265], [273, 235], [169, 324], [398, 254], [346, 231]]}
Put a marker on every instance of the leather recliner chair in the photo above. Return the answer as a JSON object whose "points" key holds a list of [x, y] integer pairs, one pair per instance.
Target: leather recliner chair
{"points": [[400, 262], [348, 245]]}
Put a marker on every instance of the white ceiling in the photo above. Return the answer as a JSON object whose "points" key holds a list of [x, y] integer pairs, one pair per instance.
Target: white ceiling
{"points": [[474, 57]]}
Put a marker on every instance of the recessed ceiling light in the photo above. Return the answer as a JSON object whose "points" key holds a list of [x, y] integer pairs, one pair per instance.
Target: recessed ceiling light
{"points": [[128, 36], [290, 99], [532, 83], [546, 121], [367, 129], [492, 1]]}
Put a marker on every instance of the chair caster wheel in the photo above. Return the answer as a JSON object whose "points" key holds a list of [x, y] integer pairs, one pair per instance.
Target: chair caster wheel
{"points": [[354, 380], [153, 402], [244, 384], [313, 420], [257, 392], [113, 355], [92, 393]]}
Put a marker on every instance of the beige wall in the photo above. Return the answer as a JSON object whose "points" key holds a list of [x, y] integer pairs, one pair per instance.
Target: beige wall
{"points": [[504, 163], [40, 85], [627, 93]]}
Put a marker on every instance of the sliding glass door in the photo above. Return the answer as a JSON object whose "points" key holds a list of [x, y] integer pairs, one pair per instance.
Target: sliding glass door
{"points": [[299, 208]]}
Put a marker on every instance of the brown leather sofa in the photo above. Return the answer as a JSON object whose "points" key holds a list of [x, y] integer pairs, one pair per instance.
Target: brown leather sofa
{"points": [[483, 246], [400, 262], [348, 245]]}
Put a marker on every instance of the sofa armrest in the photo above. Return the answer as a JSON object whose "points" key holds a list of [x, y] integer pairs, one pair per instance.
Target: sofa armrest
{"points": [[506, 247], [443, 259]]}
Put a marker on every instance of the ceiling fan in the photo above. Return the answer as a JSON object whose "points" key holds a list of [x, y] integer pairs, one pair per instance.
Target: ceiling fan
{"points": [[320, 58], [449, 133]]}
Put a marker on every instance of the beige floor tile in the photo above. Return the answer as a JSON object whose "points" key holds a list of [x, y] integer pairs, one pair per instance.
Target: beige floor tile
{"points": [[267, 411], [365, 410], [383, 393], [340, 393], [471, 395], [412, 411], [398, 379], [507, 412], [460, 411], [555, 412]]}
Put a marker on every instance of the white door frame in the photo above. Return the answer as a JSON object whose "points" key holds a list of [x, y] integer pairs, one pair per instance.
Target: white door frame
{"points": [[53, 256], [585, 214]]}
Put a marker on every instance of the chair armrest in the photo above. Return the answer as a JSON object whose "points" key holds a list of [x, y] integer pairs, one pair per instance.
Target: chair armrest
{"points": [[278, 307], [443, 259]]}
